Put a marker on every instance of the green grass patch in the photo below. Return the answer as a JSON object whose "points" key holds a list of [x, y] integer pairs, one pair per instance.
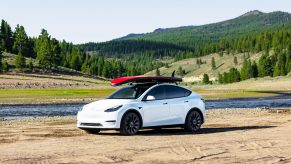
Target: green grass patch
{"points": [[67, 95], [13, 96], [233, 94]]}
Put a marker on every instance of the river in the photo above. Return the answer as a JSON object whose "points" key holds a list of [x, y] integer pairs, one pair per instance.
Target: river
{"points": [[8, 112]]}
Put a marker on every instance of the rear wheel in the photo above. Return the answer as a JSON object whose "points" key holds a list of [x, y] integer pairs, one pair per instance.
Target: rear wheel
{"points": [[92, 131], [193, 121], [130, 124]]}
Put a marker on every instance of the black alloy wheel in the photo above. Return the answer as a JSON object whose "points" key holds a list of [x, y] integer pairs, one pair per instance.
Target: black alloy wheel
{"points": [[193, 121], [130, 124]]}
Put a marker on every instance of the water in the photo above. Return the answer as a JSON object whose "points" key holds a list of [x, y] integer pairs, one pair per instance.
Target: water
{"points": [[248, 103], [22, 111]]}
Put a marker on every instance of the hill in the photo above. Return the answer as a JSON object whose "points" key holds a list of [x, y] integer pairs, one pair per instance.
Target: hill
{"points": [[252, 32], [194, 72], [58, 70], [250, 22]]}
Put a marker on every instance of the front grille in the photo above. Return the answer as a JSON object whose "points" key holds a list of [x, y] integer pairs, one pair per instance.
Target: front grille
{"points": [[91, 124]]}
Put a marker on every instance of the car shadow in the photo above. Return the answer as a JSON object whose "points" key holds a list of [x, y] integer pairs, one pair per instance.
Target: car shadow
{"points": [[180, 131]]}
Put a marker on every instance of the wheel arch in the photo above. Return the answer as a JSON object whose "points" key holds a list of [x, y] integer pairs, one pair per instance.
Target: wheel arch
{"points": [[195, 109], [134, 111]]}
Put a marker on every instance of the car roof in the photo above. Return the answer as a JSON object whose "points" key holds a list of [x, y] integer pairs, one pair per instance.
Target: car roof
{"points": [[144, 79]]}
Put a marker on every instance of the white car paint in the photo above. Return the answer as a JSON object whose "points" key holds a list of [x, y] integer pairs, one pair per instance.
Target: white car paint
{"points": [[153, 113]]}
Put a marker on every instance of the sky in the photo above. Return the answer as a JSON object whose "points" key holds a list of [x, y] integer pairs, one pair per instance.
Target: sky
{"points": [[81, 21]]}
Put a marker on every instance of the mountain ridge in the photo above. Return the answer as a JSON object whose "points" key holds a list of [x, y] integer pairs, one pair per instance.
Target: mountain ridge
{"points": [[249, 22]]}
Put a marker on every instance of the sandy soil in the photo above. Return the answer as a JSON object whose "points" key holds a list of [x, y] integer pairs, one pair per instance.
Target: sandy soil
{"points": [[228, 136]]}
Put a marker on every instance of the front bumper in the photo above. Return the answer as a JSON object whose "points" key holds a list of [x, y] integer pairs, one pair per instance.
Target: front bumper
{"points": [[97, 120]]}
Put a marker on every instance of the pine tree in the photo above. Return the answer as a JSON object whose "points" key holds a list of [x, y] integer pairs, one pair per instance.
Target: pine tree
{"points": [[249, 71], [44, 52], [21, 42], [213, 65], [288, 59], [234, 75], [244, 71], [158, 72], [167, 65], [67, 60], [220, 78], [20, 62], [279, 69], [220, 54], [1, 66], [30, 65], [84, 67], [100, 65], [181, 72], [225, 77], [198, 62], [205, 79], [76, 62], [5, 66], [6, 39], [261, 65], [255, 69], [235, 60], [56, 52]]}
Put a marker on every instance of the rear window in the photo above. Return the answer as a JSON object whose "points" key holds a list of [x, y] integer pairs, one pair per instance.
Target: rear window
{"points": [[176, 92]]}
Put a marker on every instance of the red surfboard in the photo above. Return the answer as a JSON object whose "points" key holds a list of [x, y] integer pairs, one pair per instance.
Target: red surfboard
{"points": [[144, 79]]}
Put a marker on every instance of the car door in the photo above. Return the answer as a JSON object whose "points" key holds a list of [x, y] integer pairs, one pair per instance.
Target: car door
{"points": [[155, 112], [178, 103]]}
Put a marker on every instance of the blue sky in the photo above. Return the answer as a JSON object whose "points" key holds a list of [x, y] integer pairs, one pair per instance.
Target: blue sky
{"points": [[82, 21]]}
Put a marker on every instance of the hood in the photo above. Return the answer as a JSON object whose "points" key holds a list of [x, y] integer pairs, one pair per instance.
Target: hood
{"points": [[102, 105]]}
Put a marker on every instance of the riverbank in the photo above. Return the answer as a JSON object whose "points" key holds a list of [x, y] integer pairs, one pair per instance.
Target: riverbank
{"points": [[228, 136], [86, 95], [22, 88]]}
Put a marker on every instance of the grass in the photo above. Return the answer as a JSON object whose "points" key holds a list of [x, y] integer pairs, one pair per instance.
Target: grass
{"points": [[195, 72], [233, 94], [32, 96], [57, 95], [22, 89]]}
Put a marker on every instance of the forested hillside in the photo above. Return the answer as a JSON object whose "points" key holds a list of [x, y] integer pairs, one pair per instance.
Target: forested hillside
{"points": [[51, 54], [254, 32], [192, 36], [239, 34]]}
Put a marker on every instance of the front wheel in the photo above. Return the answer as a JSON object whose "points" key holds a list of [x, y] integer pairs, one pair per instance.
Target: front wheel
{"points": [[130, 124], [193, 121]]}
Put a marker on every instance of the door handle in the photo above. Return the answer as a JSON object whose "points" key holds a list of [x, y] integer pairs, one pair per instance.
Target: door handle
{"points": [[165, 103], [186, 101]]}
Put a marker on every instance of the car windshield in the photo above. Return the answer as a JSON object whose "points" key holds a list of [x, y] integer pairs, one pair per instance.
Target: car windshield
{"points": [[129, 92]]}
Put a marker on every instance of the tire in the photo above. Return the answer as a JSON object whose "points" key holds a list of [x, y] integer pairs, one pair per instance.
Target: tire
{"points": [[130, 124], [193, 122], [92, 131]]}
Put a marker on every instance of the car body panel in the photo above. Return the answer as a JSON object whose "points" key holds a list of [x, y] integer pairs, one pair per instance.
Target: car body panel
{"points": [[153, 113]]}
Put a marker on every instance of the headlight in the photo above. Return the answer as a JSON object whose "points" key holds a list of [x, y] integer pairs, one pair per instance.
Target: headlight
{"points": [[113, 109]]}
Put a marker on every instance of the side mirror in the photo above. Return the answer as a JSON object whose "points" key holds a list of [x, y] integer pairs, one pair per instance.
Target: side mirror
{"points": [[150, 98]]}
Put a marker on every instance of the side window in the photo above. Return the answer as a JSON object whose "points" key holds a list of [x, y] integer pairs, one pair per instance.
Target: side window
{"points": [[158, 92], [176, 92]]}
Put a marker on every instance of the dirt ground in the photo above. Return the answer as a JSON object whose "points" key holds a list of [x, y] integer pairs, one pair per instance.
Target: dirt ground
{"points": [[228, 136]]}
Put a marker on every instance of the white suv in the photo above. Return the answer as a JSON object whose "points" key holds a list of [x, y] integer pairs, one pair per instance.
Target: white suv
{"points": [[146, 105]]}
